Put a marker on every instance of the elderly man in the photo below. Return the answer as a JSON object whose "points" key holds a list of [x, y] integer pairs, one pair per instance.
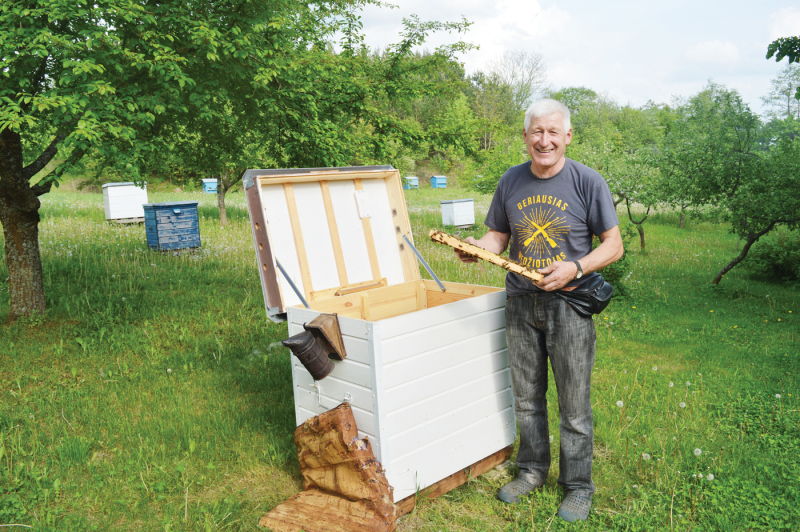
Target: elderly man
{"points": [[549, 208]]}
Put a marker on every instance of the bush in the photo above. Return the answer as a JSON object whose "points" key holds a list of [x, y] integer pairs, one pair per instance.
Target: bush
{"points": [[506, 153], [776, 256]]}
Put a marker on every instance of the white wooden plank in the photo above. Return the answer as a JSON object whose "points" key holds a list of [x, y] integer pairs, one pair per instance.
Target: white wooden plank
{"points": [[306, 399], [279, 230], [351, 231], [414, 367], [430, 464], [316, 235], [436, 383], [334, 387], [429, 338], [349, 326], [432, 409], [383, 231], [440, 427], [437, 315], [378, 391], [349, 371]]}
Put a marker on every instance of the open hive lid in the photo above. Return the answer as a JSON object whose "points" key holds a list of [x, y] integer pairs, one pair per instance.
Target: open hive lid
{"points": [[334, 230]]}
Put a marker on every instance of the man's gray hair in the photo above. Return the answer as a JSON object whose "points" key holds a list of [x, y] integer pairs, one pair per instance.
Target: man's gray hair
{"points": [[544, 108]]}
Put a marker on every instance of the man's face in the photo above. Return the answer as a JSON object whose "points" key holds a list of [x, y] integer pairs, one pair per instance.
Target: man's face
{"points": [[546, 142]]}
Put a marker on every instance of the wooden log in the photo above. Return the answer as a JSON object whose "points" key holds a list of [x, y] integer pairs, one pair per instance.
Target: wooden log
{"points": [[453, 481], [345, 487], [475, 251]]}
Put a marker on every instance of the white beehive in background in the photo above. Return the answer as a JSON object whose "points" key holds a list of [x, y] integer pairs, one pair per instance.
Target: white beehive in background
{"points": [[426, 371], [458, 212], [123, 202]]}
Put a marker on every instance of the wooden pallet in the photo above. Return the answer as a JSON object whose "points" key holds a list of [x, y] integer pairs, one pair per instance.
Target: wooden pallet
{"points": [[475, 251]]}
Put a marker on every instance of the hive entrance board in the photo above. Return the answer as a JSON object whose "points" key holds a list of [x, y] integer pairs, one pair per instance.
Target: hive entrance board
{"points": [[426, 372]]}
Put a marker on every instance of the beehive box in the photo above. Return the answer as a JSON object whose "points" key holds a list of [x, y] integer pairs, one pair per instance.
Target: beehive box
{"points": [[123, 202], [210, 186], [172, 225], [459, 212], [426, 371], [410, 182], [438, 181]]}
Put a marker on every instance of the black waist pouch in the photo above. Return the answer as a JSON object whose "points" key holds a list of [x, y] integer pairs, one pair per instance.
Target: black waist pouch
{"points": [[591, 298]]}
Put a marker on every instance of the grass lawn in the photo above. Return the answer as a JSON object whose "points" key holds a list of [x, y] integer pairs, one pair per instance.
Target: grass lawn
{"points": [[154, 393]]}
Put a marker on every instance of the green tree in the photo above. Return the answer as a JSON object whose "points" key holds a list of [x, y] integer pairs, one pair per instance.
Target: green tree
{"points": [[783, 100], [714, 151], [107, 77], [523, 71], [786, 47]]}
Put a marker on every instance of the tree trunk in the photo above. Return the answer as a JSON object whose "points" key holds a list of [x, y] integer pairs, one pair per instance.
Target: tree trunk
{"points": [[739, 258], [751, 239], [19, 214], [638, 224], [23, 260], [221, 190], [683, 217]]}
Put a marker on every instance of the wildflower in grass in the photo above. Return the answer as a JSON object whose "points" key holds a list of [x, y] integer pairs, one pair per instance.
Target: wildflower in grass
{"points": [[777, 396], [698, 452], [620, 404], [688, 383], [700, 475], [671, 384], [710, 476], [634, 307], [674, 438], [779, 319], [169, 370], [645, 456], [694, 476], [682, 404], [711, 311], [655, 368], [636, 486]]}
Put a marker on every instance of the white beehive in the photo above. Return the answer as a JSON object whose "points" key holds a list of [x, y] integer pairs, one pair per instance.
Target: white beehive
{"points": [[426, 371], [459, 212], [123, 201]]}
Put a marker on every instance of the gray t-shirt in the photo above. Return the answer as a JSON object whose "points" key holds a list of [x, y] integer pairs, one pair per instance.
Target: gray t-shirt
{"points": [[550, 219]]}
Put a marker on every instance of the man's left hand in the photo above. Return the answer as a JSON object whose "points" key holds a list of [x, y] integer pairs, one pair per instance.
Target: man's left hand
{"points": [[557, 275]]}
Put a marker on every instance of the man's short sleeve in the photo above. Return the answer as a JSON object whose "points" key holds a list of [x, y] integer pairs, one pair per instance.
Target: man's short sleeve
{"points": [[497, 218], [602, 212]]}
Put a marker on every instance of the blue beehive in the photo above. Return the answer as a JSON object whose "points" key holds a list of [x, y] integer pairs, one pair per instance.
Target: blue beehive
{"points": [[410, 182], [438, 181], [172, 225], [210, 186]]}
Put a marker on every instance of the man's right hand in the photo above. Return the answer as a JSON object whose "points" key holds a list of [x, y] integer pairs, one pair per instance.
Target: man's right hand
{"points": [[463, 257]]}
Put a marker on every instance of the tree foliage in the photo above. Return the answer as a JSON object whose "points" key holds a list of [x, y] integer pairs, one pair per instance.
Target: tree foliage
{"points": [[714, 152]]}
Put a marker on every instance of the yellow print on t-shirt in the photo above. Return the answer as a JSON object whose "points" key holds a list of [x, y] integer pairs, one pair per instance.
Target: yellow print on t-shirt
{"points": [[541, 232]]}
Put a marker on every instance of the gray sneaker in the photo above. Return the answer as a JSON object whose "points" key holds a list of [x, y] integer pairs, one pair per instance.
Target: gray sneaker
{"points": [[575, 507], [520, 487]]}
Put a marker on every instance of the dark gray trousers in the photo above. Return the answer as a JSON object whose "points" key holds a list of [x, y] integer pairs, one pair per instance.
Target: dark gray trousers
{"points": [[541, 326]]}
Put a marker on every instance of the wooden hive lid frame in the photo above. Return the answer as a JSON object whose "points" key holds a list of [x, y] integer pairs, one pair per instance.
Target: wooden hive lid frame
{"points": [[336, 231]]}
